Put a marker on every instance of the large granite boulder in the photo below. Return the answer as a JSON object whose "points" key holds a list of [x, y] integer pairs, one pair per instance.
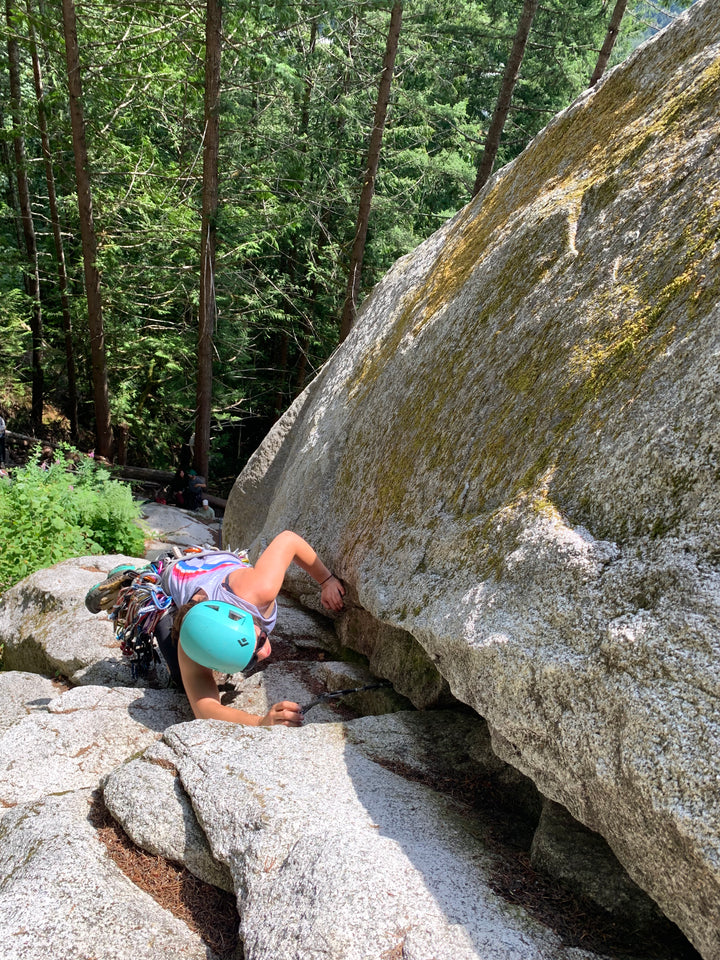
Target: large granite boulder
{"points": [[166, 524], [22, 694], [79, 737], [64, 898], [513, 462], [147, 798]]}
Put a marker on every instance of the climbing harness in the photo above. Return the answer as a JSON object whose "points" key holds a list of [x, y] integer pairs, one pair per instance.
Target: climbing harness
{"points": [[324, 697]]}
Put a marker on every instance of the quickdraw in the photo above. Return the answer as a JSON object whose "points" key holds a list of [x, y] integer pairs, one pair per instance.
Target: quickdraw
{"points": [[324, 697], [137, 611]]}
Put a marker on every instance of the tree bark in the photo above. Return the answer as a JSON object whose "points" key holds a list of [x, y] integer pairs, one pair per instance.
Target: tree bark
{"points": [[305, 321], [609, 42], [502, 107], [32, 276], [281, 352], [103, 427], [72, 401], [358, 249], [206, 313], [10, 192]]}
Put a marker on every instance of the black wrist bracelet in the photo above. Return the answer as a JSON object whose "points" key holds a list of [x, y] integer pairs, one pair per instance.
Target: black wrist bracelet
{"points": [[328, 578]]}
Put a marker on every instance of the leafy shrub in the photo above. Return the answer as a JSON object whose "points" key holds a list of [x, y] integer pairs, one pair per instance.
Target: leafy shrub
{"points": [[68, 509]]}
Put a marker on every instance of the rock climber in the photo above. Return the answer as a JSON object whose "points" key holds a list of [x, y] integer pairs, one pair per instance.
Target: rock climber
{"points": [[224, 610]]}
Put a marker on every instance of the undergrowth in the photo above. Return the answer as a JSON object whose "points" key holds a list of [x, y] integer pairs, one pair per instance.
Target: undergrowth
{"points": [[68, 508]]}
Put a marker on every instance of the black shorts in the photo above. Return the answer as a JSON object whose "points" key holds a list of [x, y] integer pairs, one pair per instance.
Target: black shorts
{"points": [[168, 649]]}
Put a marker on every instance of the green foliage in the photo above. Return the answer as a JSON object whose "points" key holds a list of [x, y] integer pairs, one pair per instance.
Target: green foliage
{"points": [[70, 509], [14, 308]]}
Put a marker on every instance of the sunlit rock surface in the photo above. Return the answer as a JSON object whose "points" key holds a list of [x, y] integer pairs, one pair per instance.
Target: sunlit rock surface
{"points": [[63, 897], [333, 854], [45, 628], [513, 462]]}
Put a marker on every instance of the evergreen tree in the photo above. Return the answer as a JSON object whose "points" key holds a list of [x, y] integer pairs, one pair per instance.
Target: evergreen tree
{"points": [[208, 238], [299, 82], [72, 398], [370, 172], [502, 108], [32, 274], [103, 427]]}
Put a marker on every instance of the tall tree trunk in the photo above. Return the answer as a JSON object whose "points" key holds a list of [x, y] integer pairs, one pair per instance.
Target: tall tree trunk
{"points": [[610, 38], [206, 317], [32, 276], [502, 107], [308, 88], [281, 351], [72, 401], [358, 249], [10, 191], [103, 427], [296, 254]]}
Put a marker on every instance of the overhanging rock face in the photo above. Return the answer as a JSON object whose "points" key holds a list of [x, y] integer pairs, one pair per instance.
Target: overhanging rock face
{"points": [[514, 460]]}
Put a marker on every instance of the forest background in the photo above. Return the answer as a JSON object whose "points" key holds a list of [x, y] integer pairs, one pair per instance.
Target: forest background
{"points": [[294, 106]]}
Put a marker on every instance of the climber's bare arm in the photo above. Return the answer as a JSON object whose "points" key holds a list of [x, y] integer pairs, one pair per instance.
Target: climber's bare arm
{"points": [[261, 584], [204, 697]]}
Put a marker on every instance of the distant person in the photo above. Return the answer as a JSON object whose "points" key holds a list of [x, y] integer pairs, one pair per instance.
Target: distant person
{"points": [[205, 512], [195, 490], [2, 440], [177, 488]]}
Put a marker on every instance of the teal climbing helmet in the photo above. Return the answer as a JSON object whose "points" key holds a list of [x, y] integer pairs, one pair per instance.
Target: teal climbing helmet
{"points": [[219, 636]]}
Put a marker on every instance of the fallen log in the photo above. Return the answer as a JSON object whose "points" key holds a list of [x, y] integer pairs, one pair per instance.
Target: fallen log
{"points": [[11, 435], [143, 473]]}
